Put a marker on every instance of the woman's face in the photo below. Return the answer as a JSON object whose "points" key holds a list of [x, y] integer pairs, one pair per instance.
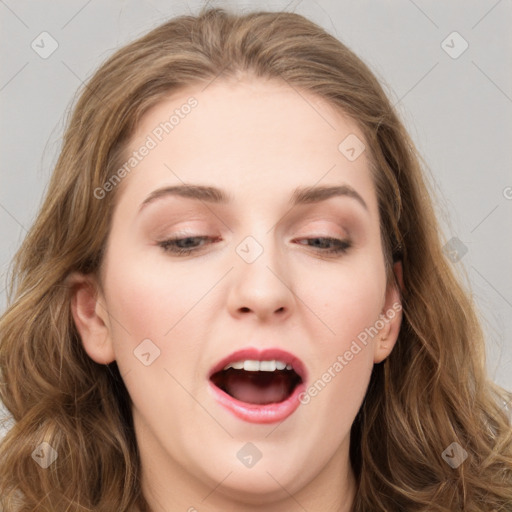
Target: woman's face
{"points": [[281, 252]]}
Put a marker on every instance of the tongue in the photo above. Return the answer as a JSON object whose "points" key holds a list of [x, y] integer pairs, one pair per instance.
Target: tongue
{"points": [[257, 387]]}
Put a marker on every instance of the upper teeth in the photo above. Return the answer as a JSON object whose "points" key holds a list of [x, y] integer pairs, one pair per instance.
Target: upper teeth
{"points": [[251, 365]]}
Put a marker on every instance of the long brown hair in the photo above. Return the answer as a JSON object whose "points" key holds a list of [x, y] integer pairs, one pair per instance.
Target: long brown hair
{"points": [[431, 391]]}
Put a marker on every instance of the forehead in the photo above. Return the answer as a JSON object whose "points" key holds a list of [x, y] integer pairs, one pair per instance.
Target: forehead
{"points": [[248, 111], [249, 135]]}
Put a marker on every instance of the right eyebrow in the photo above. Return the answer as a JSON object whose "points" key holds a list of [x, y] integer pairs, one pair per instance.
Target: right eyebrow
{"points": [[200, 192]]}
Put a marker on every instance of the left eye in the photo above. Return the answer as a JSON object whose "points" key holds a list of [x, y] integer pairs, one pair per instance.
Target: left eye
{"points": [[323, 243], [189, 244]]}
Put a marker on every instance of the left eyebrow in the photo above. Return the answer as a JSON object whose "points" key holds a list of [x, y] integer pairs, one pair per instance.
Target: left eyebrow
{"points": [[308, 195], [301, 195]]}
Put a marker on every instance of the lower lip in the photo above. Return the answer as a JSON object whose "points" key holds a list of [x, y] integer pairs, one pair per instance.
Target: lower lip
{"points": [[259, 413]]}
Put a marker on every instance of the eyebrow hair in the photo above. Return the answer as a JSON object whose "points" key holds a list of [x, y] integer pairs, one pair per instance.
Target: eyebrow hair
{"points": [[301, 195], [307, 195], [200, 192]]}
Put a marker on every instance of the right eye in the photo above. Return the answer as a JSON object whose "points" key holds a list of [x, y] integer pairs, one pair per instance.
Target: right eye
{"points": [[184, 245]]}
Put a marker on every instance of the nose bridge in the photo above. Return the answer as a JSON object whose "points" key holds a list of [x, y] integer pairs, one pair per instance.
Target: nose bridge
{"points": [[261, 277]]}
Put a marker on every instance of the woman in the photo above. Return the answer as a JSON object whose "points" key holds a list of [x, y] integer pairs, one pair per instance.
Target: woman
{"points": [[234, 296]]}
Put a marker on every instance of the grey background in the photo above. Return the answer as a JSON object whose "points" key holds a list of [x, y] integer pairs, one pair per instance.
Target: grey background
{"points": [[458, 111]]}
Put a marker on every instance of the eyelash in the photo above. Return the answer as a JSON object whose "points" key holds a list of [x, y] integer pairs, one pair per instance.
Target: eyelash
{"points": [[169, 245]]}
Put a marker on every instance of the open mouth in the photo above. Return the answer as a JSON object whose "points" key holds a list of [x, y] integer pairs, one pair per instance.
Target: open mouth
{"points": [[259, 386], [257, 382]]}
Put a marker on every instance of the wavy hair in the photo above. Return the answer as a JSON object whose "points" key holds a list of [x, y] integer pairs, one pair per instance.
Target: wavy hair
{"points": [[430, 392]]}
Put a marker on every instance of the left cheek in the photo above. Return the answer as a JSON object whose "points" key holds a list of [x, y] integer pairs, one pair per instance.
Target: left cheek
{"points": [[349, 303]]}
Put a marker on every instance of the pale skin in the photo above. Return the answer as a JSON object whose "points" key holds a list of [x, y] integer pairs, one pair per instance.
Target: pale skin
{"points": [[257, 141]]}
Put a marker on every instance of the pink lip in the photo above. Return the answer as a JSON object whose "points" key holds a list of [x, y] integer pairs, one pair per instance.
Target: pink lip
{"points": [[258, 413]]}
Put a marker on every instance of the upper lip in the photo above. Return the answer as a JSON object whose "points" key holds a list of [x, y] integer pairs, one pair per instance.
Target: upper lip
{"points": [[267, 354]]}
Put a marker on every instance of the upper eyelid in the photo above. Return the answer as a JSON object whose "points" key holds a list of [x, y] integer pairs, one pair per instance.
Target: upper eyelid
{"points": [[182, 222], [337, 220], [180, 237], [201, 211], [205, 233]]}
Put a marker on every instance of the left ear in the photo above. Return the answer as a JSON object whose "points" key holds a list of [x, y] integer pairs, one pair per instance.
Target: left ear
{"points": [[390, 317]]}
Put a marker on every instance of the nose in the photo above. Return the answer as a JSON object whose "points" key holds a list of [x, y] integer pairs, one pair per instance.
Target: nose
{"points": [[261, 288]]}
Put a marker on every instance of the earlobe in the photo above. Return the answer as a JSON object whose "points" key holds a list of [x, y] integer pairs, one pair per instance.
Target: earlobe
{"points": [[90, 317], [390, 318]]}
